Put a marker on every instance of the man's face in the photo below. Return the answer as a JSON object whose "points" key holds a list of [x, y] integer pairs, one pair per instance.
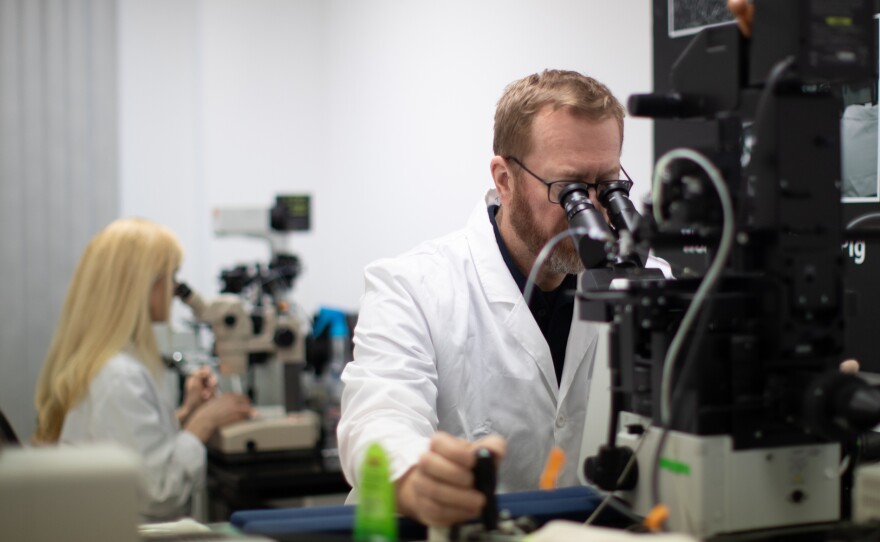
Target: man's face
{"points": [[565, 146]]}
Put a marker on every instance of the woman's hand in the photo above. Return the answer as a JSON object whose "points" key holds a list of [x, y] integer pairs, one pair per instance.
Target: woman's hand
{"points": [[217, 412], [200, 386]]}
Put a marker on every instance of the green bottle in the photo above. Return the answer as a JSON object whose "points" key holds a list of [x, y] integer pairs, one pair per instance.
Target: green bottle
{"points": [[375, 519]]}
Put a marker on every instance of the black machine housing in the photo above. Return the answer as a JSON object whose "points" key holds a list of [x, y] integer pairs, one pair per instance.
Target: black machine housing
{"points": [[761, 362]]}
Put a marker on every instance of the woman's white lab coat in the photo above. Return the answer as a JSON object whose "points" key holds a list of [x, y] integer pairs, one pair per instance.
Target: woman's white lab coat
{"points": [[446, 342], [124, 405]]}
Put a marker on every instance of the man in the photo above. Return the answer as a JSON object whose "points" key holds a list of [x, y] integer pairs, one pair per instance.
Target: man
{"points": [[448, 356]]}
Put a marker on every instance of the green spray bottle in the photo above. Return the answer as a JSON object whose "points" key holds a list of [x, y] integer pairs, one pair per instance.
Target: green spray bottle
{"points": [[375, 518]]}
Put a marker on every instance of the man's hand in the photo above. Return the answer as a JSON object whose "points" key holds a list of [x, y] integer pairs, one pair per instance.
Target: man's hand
{"points": [[849, 366], [744, 12], [439, 490]]}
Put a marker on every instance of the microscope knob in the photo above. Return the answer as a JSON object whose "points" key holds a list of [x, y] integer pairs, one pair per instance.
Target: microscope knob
{"points": [[284, 337]]}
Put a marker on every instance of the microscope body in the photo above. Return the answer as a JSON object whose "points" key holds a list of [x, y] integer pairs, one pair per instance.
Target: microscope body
{"points": [[277, 339], [259, 342], [233, 332], [752, 431]]}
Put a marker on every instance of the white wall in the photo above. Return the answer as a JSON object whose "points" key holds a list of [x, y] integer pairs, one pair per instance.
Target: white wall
{"points": [[382, 110]]}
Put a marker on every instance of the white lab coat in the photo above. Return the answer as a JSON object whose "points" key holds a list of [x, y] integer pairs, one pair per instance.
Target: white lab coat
{"points": [[446, 342], [124, 405]]}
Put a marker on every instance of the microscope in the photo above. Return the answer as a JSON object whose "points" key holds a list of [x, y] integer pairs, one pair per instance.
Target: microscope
{"points": [[258, 341], [726, 402]]}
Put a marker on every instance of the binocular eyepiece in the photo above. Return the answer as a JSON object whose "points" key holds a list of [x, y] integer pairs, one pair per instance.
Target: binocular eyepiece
{"points": [[597, 246]]}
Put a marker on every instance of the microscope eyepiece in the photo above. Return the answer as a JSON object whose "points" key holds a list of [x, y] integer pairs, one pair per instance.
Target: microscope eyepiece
{"points": [[594, 246], [621, 211], [182, 290]]}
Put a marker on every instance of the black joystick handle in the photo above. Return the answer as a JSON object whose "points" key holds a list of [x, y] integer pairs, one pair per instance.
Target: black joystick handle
{"points": [[484, 482]]}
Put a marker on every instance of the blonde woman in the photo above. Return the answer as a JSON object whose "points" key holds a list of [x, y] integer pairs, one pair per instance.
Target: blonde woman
{"points": [[100, 381]]}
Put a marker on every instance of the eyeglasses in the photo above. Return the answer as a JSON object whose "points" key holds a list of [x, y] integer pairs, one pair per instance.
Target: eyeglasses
{"points": [[554, 188]]}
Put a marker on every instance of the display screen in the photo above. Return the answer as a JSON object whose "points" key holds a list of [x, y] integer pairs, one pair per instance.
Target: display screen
{"points": [[689, 16]]}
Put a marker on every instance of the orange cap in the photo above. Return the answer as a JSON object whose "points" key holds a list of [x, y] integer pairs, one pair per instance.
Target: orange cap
{"points": [[657, 517], [554, 465]]}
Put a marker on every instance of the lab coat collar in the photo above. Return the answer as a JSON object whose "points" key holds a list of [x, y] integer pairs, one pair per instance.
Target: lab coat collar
{"points": [[497, 282], [501, 289]]}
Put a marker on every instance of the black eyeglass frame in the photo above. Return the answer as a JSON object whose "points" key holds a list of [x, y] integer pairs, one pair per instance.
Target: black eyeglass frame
{"points": [[625, 183]]}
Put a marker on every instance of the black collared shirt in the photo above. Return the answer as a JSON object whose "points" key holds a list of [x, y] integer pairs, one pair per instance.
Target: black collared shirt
{"points": [[552, 310]]}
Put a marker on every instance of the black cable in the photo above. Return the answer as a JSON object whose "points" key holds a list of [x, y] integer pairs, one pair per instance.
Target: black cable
{"points": [[696, 338], [773, 79]]}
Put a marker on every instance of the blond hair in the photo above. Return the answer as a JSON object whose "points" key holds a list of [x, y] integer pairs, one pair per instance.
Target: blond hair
{"points": [[107, 309], [523, 99]]}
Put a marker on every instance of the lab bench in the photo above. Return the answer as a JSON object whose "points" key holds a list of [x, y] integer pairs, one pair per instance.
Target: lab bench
{"points": [[270, 481]]}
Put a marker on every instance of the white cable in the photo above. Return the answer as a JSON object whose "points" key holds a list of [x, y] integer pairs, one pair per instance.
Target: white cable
{"points": [[712, 275], [620, 479], [863, 218], [841, 469], [545, 252]]}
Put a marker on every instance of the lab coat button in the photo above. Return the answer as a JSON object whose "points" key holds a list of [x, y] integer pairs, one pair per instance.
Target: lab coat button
{"points": [[560, 420]]}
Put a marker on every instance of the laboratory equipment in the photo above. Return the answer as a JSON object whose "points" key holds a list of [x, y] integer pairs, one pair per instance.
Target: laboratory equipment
{"points": [[726, 402], [69, 493], [335, 323], [259, 340]]}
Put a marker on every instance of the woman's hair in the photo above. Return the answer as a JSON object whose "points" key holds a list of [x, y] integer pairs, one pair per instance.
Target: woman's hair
{"points": [[107, 309], [523, 99]]}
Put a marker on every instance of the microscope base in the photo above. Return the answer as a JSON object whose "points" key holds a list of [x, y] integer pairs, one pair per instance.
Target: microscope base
{"points": [[710, 488], [295, 431]]}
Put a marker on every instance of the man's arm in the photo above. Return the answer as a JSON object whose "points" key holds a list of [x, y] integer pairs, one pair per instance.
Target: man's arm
{"points": [[390, 388]]}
